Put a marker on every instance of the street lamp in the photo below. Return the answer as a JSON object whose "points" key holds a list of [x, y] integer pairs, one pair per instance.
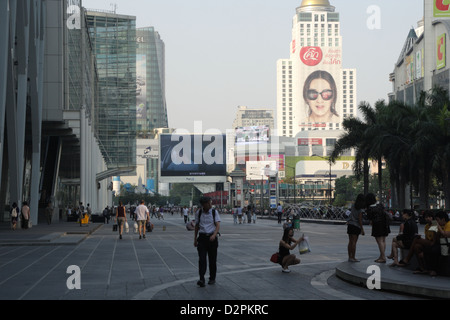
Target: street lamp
{"points": [[329, 181]]}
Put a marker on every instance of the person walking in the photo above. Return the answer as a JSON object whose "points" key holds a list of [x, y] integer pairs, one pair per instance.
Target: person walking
{"points": [[279, 212], [25, 215], [185, 214], [121, 217], [380, 224], [205, 239], [288, 243], [355, 226], [142, 216], [14, 215]]}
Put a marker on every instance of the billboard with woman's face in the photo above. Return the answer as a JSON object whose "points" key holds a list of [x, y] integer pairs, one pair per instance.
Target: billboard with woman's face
{"points": [[319, 93]]}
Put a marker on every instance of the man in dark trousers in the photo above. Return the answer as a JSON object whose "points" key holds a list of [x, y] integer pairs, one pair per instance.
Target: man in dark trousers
{"points": [[205, 239]]}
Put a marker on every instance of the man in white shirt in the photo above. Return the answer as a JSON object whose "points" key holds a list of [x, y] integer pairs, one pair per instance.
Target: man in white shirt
{"points": [[185, 214], [142, 215], [207, 229]]}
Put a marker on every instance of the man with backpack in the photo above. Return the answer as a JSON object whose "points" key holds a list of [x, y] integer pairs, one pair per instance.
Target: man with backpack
{"points": [[205, 239]]}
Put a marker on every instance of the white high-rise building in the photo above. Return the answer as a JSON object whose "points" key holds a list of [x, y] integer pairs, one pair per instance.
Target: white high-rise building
{"points": [[314, 92]]}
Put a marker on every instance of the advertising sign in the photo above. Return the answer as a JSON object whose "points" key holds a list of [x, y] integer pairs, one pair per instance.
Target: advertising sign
{"points": [[260, 170], [253, 134], [318, 83], [188, 158], [441, 52], [441, 8]]}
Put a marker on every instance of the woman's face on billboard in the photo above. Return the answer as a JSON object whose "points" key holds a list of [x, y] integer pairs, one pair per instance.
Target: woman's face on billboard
{"points": [[319, 98]]}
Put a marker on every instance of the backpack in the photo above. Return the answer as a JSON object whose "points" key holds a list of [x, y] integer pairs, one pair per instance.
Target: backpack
{"points": [[14, 213]]}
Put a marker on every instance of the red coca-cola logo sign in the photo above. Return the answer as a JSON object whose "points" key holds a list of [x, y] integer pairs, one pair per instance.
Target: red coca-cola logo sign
{"points": [[311, 56]]}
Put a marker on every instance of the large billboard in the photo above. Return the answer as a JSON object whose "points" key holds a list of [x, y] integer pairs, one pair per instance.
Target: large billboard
{"points": [[260, 170], [318, 83], [192, 158], [253, 134]]}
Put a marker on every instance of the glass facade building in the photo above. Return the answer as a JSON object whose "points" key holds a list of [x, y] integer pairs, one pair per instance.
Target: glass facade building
{"points": [[114, 41], [150, 81]]}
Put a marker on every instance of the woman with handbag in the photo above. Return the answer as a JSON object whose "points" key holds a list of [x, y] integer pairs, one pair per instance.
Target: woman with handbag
{"points": [[288, 243], [121, 218]]}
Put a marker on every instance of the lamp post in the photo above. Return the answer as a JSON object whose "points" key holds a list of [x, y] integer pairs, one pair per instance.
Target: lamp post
{"points": [[329, 181]]}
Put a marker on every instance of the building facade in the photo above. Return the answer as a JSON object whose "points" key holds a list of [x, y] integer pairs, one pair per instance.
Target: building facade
{"points": [[314, 92], [150, 81], [423, 63], [113, 38], [52, 153]]}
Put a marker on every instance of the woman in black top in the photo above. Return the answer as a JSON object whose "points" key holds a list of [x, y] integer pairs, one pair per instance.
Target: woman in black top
{"points": [[380, 224], [288, 243]]}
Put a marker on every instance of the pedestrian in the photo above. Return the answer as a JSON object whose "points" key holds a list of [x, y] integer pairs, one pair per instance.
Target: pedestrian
{"points": [[142, 216], [239, 214], [49, 213], [279, 212], [185, 214], [288, 243], [14, 215], [380, 224], [205, 239], [25, 216], [121, 218], [235, 212], [355, 226]]}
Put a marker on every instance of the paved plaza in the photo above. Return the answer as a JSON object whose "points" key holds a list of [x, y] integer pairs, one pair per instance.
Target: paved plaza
{"points": [[42, 264]]}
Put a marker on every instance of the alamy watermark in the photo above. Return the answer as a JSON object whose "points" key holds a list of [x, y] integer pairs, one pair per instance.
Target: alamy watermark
{"points": [[74, 280], [374, 20], [374, 280]]}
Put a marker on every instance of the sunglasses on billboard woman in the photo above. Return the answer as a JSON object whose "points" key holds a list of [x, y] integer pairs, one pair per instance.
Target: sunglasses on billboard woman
{"points": [[326, 94]]}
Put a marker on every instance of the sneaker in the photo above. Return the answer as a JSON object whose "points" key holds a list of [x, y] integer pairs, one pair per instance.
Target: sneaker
{"points": [[120, 237], [143, 236], [286, 270], [140, 237], [211, 281], [201, 283]]}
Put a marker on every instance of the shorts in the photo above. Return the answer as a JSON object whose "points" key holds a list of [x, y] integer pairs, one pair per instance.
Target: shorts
{"points": [[142, 223], [120, 220], [352, 229]]}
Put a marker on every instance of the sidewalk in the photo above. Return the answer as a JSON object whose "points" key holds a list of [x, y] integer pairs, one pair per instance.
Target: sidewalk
{"points": [[55, 234], [394, 279]]}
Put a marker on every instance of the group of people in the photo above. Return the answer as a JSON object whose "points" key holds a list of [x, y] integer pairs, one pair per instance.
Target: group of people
{"points": [[20, 214], [244, 214], [141, 215], [427, 249]]}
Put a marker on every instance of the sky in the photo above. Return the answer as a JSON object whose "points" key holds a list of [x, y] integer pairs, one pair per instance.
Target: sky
{"points": [[223, 54]]}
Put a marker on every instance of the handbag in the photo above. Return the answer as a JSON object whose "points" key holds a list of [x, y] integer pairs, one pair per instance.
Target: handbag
{"points": [[444, 246], [127, 228], [304, 247], [274, 257]]}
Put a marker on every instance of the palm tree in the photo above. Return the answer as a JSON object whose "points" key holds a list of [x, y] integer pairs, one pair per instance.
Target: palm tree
{"points": [[356, 138]]}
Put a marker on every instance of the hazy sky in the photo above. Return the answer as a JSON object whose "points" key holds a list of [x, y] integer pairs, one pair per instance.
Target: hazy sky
{"points": [[222, 54]]}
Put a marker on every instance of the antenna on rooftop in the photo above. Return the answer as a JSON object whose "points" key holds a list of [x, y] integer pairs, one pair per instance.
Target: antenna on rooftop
{"points": [[113, 7]]}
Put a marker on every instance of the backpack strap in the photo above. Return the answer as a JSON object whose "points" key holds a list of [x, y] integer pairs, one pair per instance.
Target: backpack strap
{"points": [[213, 214]]}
